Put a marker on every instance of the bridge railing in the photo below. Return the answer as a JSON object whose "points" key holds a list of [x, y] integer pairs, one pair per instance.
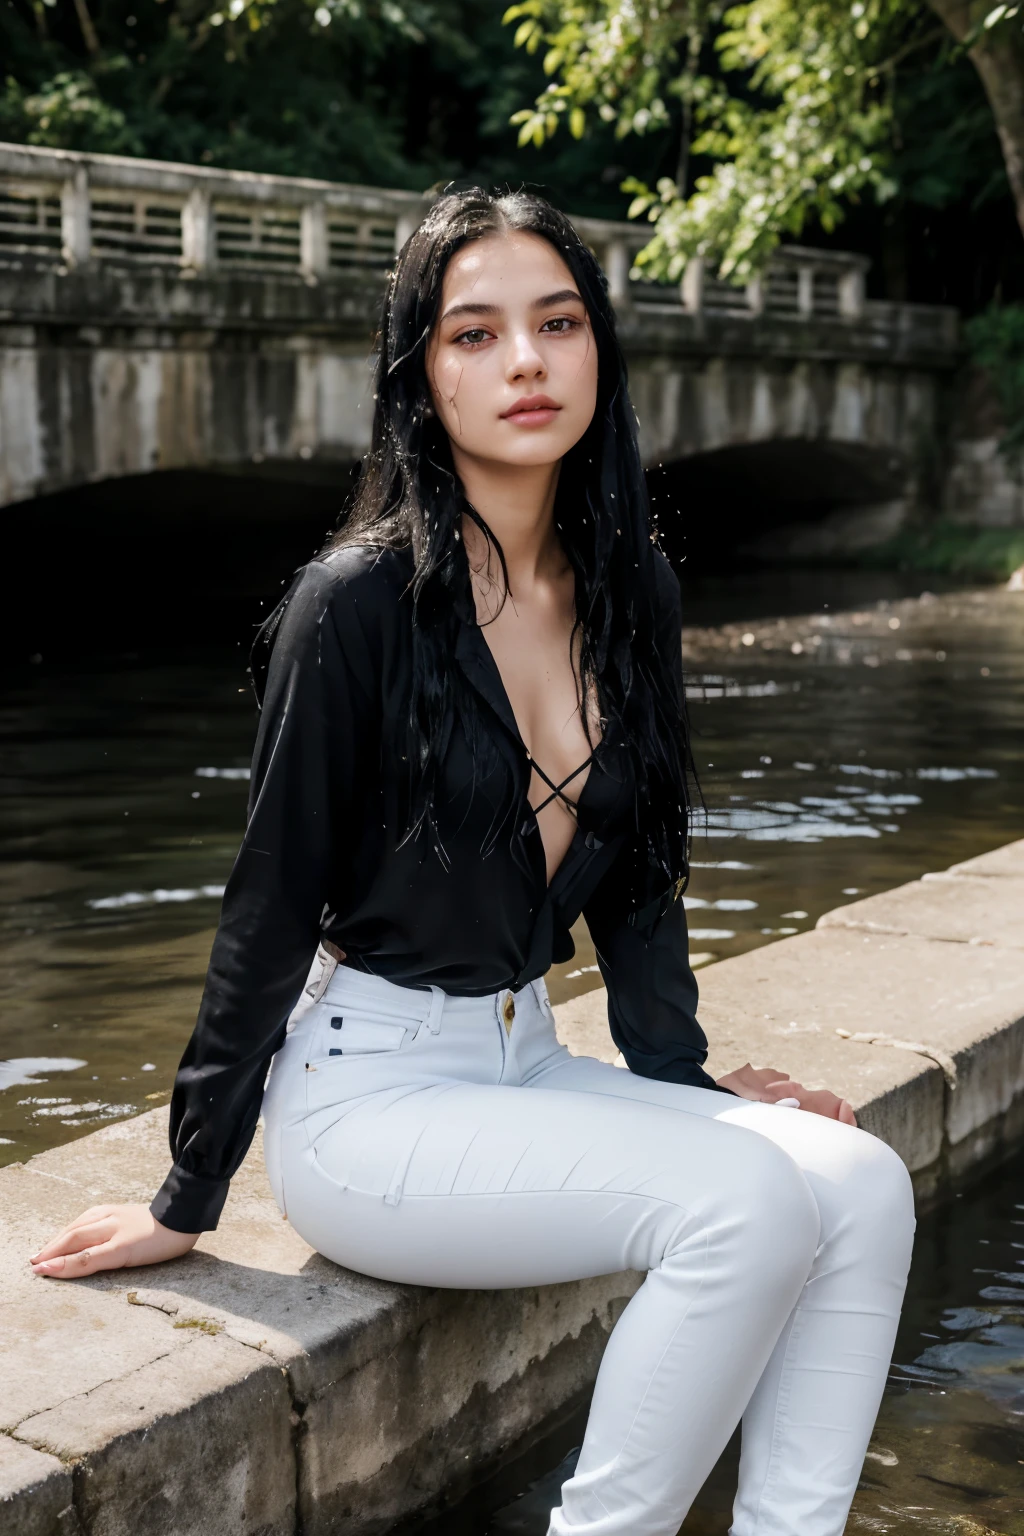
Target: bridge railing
{"points": [[69, 210]]}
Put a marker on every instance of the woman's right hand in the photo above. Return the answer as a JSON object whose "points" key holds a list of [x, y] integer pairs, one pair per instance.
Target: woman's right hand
{"points": [[767, 1085], [110, 1237]]}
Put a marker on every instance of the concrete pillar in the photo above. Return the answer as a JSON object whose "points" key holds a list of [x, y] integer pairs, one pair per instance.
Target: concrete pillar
{"points": [[198, 237], [691, 289], [616, 265], [315, 248], [805, 292], [404, 227], [755, 295], [851, 293], [75, 219]]}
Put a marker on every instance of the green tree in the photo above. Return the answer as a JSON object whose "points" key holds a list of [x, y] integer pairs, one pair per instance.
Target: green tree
{"points": [[387, 92], [792, 105], [408, 95]]}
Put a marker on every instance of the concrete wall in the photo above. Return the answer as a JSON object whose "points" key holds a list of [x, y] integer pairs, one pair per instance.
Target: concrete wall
{"points": [[107, 375], [107, 372], [688, 405], [255, 1388]]}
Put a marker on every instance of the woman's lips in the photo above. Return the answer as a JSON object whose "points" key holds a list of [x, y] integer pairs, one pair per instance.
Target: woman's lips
{"points": [[537, 417], [532, 411]]}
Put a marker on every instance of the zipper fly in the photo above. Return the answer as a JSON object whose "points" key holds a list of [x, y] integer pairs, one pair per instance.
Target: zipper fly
{"points": [[504, 1013]]}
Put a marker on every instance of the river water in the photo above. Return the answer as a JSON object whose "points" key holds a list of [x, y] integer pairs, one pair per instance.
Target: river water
{"points": [[867, 737]]}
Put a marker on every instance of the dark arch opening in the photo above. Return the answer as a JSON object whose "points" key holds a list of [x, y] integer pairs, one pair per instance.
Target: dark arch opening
{"points": [[173, 558], [716, 511], [185, 557]]}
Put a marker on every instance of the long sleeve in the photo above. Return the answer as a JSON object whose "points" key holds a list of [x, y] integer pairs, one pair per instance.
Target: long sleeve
{"points": [[316, 723], [652, 991]]}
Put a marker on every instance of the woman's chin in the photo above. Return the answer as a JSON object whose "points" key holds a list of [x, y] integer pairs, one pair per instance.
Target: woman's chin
{"points": [[534, 448]]}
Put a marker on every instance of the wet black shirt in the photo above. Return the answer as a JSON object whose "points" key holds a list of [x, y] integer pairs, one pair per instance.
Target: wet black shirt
{"points": [[323, 858]]}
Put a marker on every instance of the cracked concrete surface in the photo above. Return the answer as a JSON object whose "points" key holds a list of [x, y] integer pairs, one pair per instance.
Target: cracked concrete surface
{"points": [[256, 1388], [226, 1391]]}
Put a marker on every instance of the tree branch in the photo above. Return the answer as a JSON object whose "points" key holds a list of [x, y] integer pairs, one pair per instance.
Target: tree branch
{"points": [[89, 37]]}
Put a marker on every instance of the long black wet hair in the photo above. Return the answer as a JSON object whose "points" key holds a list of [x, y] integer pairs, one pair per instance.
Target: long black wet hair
{"points": [[409, 496]]}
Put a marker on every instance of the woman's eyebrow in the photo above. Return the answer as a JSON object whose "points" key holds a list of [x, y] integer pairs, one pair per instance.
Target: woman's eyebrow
{"points": [[472, 309], [561, 297]]}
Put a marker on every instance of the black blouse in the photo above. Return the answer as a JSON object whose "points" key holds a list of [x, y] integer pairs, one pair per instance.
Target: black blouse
{"points": [[321, 859]]}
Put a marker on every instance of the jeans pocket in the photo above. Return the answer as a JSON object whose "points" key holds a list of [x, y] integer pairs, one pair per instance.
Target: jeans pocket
{"points": [[345, 1031], [366, 1037]]}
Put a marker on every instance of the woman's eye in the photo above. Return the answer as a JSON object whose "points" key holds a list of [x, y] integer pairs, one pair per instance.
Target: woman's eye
{"points": [[473, 337], [563, 322]]}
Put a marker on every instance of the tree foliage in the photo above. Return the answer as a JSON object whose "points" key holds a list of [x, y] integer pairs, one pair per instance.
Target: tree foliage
{"points": [[791, 108], [364, 90], [996, 339], [351, 90]]}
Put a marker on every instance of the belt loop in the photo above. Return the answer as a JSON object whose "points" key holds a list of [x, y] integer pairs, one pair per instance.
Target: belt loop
{"points": [[328, 966], [436, 1005]]}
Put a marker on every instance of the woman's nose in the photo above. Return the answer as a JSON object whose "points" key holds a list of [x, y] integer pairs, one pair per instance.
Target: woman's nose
{"points": [[524, 360]]}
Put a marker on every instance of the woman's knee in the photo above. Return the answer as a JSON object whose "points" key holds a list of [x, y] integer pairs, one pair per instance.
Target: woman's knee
{"points": [[878, 1192], [759, 1204], [781, 1201]]}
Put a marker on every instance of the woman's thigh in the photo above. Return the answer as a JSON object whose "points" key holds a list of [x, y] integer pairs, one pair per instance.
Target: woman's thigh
{"points": [[853, 1176], [477, 1185]]}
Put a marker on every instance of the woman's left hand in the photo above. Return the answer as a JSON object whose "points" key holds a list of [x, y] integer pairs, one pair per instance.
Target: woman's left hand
{"points": [[766, 1085]]}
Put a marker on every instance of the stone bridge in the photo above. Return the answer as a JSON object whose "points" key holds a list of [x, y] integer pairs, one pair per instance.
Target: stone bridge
{"points": [[167, 317]]}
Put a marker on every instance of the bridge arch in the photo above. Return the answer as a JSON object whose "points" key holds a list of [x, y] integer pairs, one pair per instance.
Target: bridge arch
{"points": [[782, 498], [169, 558], [157, 317]]}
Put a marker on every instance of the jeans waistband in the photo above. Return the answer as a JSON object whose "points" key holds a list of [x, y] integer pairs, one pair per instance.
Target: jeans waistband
{"points": [[418, 1004]]}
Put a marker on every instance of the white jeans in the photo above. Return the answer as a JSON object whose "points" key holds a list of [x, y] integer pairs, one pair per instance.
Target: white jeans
{"points": [[412, 1136]]}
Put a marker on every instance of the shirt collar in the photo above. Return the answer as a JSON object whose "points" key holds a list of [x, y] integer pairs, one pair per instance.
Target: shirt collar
{"points": [[480, 669]]}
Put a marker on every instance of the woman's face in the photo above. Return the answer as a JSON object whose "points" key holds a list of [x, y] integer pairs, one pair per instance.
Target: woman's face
{"points": [[511, 361]]}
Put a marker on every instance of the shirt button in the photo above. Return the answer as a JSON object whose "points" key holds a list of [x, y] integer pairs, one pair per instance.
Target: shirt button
{"points": [[508, 1012]]}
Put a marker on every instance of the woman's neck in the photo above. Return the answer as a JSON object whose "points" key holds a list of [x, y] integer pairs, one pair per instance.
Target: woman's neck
{"points": [[518, 505]]}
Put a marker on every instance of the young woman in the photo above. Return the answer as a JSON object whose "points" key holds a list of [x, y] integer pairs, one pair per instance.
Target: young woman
{"points": [[472, 732]]}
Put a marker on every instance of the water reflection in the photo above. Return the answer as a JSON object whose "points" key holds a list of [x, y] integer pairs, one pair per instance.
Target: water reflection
{"points": [[114, 853]]}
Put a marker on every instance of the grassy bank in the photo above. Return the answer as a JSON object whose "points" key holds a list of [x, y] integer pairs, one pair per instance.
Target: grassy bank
{"points": [[991, 554]]}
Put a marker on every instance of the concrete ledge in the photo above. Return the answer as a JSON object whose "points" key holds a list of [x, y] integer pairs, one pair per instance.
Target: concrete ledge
{"points": [[35, 1492], [255, 1385], [256, 1388]]}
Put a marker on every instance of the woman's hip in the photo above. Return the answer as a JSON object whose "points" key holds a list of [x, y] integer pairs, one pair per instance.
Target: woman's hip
{"points": [[353, 1034]]}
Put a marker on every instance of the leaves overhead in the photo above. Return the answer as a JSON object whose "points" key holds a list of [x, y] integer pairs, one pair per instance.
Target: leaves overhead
{"points": [[791, 108], [358, 90]]}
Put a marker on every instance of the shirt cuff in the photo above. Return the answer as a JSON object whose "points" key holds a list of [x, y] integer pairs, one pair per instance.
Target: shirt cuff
{"points": [[186, 1202]]}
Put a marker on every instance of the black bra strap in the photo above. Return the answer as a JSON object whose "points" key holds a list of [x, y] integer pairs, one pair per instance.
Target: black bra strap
{"points": [[557, 788]]}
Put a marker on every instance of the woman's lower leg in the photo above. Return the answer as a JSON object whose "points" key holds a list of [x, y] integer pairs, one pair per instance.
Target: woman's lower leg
{"points": [[810, 1415], [687, 1353], [809, 1421]]}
